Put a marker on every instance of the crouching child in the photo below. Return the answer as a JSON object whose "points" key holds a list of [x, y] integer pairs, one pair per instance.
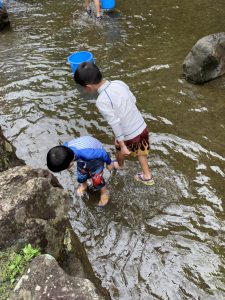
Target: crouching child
{"points": [[90, 156]]}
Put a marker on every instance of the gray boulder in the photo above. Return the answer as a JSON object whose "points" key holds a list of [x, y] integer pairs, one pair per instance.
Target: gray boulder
{"points": [[44, 280], [206, 60], [4, 18], [8, 158], [33, 209]]}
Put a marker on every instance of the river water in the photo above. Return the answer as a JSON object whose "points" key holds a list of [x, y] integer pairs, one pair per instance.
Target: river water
{"points": [[161, 242]]}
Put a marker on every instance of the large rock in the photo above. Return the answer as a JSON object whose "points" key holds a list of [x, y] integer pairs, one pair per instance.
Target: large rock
{"points": [[8, 158], [33, 209], [206, 60], [4, 18], [44, 280]]}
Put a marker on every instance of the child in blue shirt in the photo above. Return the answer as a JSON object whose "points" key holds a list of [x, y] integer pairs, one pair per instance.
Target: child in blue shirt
{"points": [[90, 156]]}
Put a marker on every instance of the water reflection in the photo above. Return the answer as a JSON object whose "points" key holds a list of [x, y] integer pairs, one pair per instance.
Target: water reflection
{"points": [[162, 242]]}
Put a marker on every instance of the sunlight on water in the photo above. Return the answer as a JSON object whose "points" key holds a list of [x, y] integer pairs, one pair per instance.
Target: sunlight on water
{"points": [[159, 242]]}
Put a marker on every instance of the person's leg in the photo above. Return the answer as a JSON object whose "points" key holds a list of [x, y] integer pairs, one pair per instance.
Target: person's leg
{"points": [[82, 176], [87, 3], [82, 188], [98, 8], [96, 168], [140, 147], [104, 198], [120, 158], [143, 160], [88, 8]]}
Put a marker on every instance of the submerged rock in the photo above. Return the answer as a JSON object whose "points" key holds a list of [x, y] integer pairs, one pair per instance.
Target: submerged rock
{"points": [[4, 18], [206, 60], [44, 279]]}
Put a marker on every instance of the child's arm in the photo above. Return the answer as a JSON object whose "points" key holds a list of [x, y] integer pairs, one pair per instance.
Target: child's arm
{"points": [[110, 167], [114, 166], [89, 154], [123, 148]]}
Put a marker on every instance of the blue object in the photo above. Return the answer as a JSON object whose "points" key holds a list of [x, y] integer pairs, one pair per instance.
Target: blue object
{"points": [[77, 58], [1, 4], [108, 4]]}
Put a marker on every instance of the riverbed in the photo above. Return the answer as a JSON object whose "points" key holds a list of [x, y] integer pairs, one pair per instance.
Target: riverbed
{"points": [[160, 242]]}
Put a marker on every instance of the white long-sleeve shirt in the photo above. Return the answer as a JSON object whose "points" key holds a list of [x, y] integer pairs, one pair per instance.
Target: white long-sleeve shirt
{"points": [[117, 105]]}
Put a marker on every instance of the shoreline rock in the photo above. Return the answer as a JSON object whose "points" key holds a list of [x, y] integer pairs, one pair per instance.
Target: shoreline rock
{"points": [[53, 283], [8, 158], [34, 209]]}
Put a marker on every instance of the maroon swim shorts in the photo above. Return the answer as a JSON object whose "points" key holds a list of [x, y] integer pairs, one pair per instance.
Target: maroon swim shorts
{"points": [[139, 145]]}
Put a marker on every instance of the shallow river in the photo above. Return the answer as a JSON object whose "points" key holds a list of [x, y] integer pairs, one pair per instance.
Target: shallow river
{"points": [[161, 242]]}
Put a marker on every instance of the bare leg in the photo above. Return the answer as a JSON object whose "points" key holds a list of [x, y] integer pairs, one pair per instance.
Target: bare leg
{"points": [[87, 3], [104, 199], [120, 158], [143, 160], [82, 188], [97, 7]]}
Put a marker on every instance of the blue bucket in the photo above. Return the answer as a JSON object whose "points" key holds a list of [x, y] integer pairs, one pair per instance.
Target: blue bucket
{"points": [[1, 4], [77, 58], [108, 4]]}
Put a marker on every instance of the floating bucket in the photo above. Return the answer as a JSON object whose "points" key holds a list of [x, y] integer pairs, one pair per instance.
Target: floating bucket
{"points": [[77, 58], [108, 4]]}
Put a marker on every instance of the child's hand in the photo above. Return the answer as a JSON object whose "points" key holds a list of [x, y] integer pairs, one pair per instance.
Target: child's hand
{"points": [[125, 151], [113, 166], [123, 148], [116, 165], [117, 143], [110, 167]]}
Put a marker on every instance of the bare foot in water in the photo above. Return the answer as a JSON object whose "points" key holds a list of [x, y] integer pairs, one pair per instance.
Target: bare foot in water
{"points": [[104, 199], [81, 189]]}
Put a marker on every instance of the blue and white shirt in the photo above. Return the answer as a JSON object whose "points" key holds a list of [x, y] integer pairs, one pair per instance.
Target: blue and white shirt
{"points": [[87, 148], [117, 104]]}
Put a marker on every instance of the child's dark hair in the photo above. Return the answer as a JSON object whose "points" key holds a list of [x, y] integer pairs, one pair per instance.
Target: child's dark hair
{"points": [[87, 73], [59, 158]]}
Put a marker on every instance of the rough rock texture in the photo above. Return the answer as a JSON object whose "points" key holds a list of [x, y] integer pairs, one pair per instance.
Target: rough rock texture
{"points": [[79, 252], [206, 60], [8, 158], [44, 280], [33, 209], [4, 19]]}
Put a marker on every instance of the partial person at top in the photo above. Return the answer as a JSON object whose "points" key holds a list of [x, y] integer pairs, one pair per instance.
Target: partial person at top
{"points": [[97, 8]]}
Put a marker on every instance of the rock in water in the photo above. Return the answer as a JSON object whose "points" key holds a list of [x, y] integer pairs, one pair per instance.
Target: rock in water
{"points": [[206, 60]]}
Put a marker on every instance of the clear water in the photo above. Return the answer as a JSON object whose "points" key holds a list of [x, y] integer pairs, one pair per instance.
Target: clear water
{"points": [[162, 242]]}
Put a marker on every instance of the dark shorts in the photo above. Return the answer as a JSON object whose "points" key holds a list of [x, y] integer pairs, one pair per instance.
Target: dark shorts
{"points": [[91, 169], [139, 145]]}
